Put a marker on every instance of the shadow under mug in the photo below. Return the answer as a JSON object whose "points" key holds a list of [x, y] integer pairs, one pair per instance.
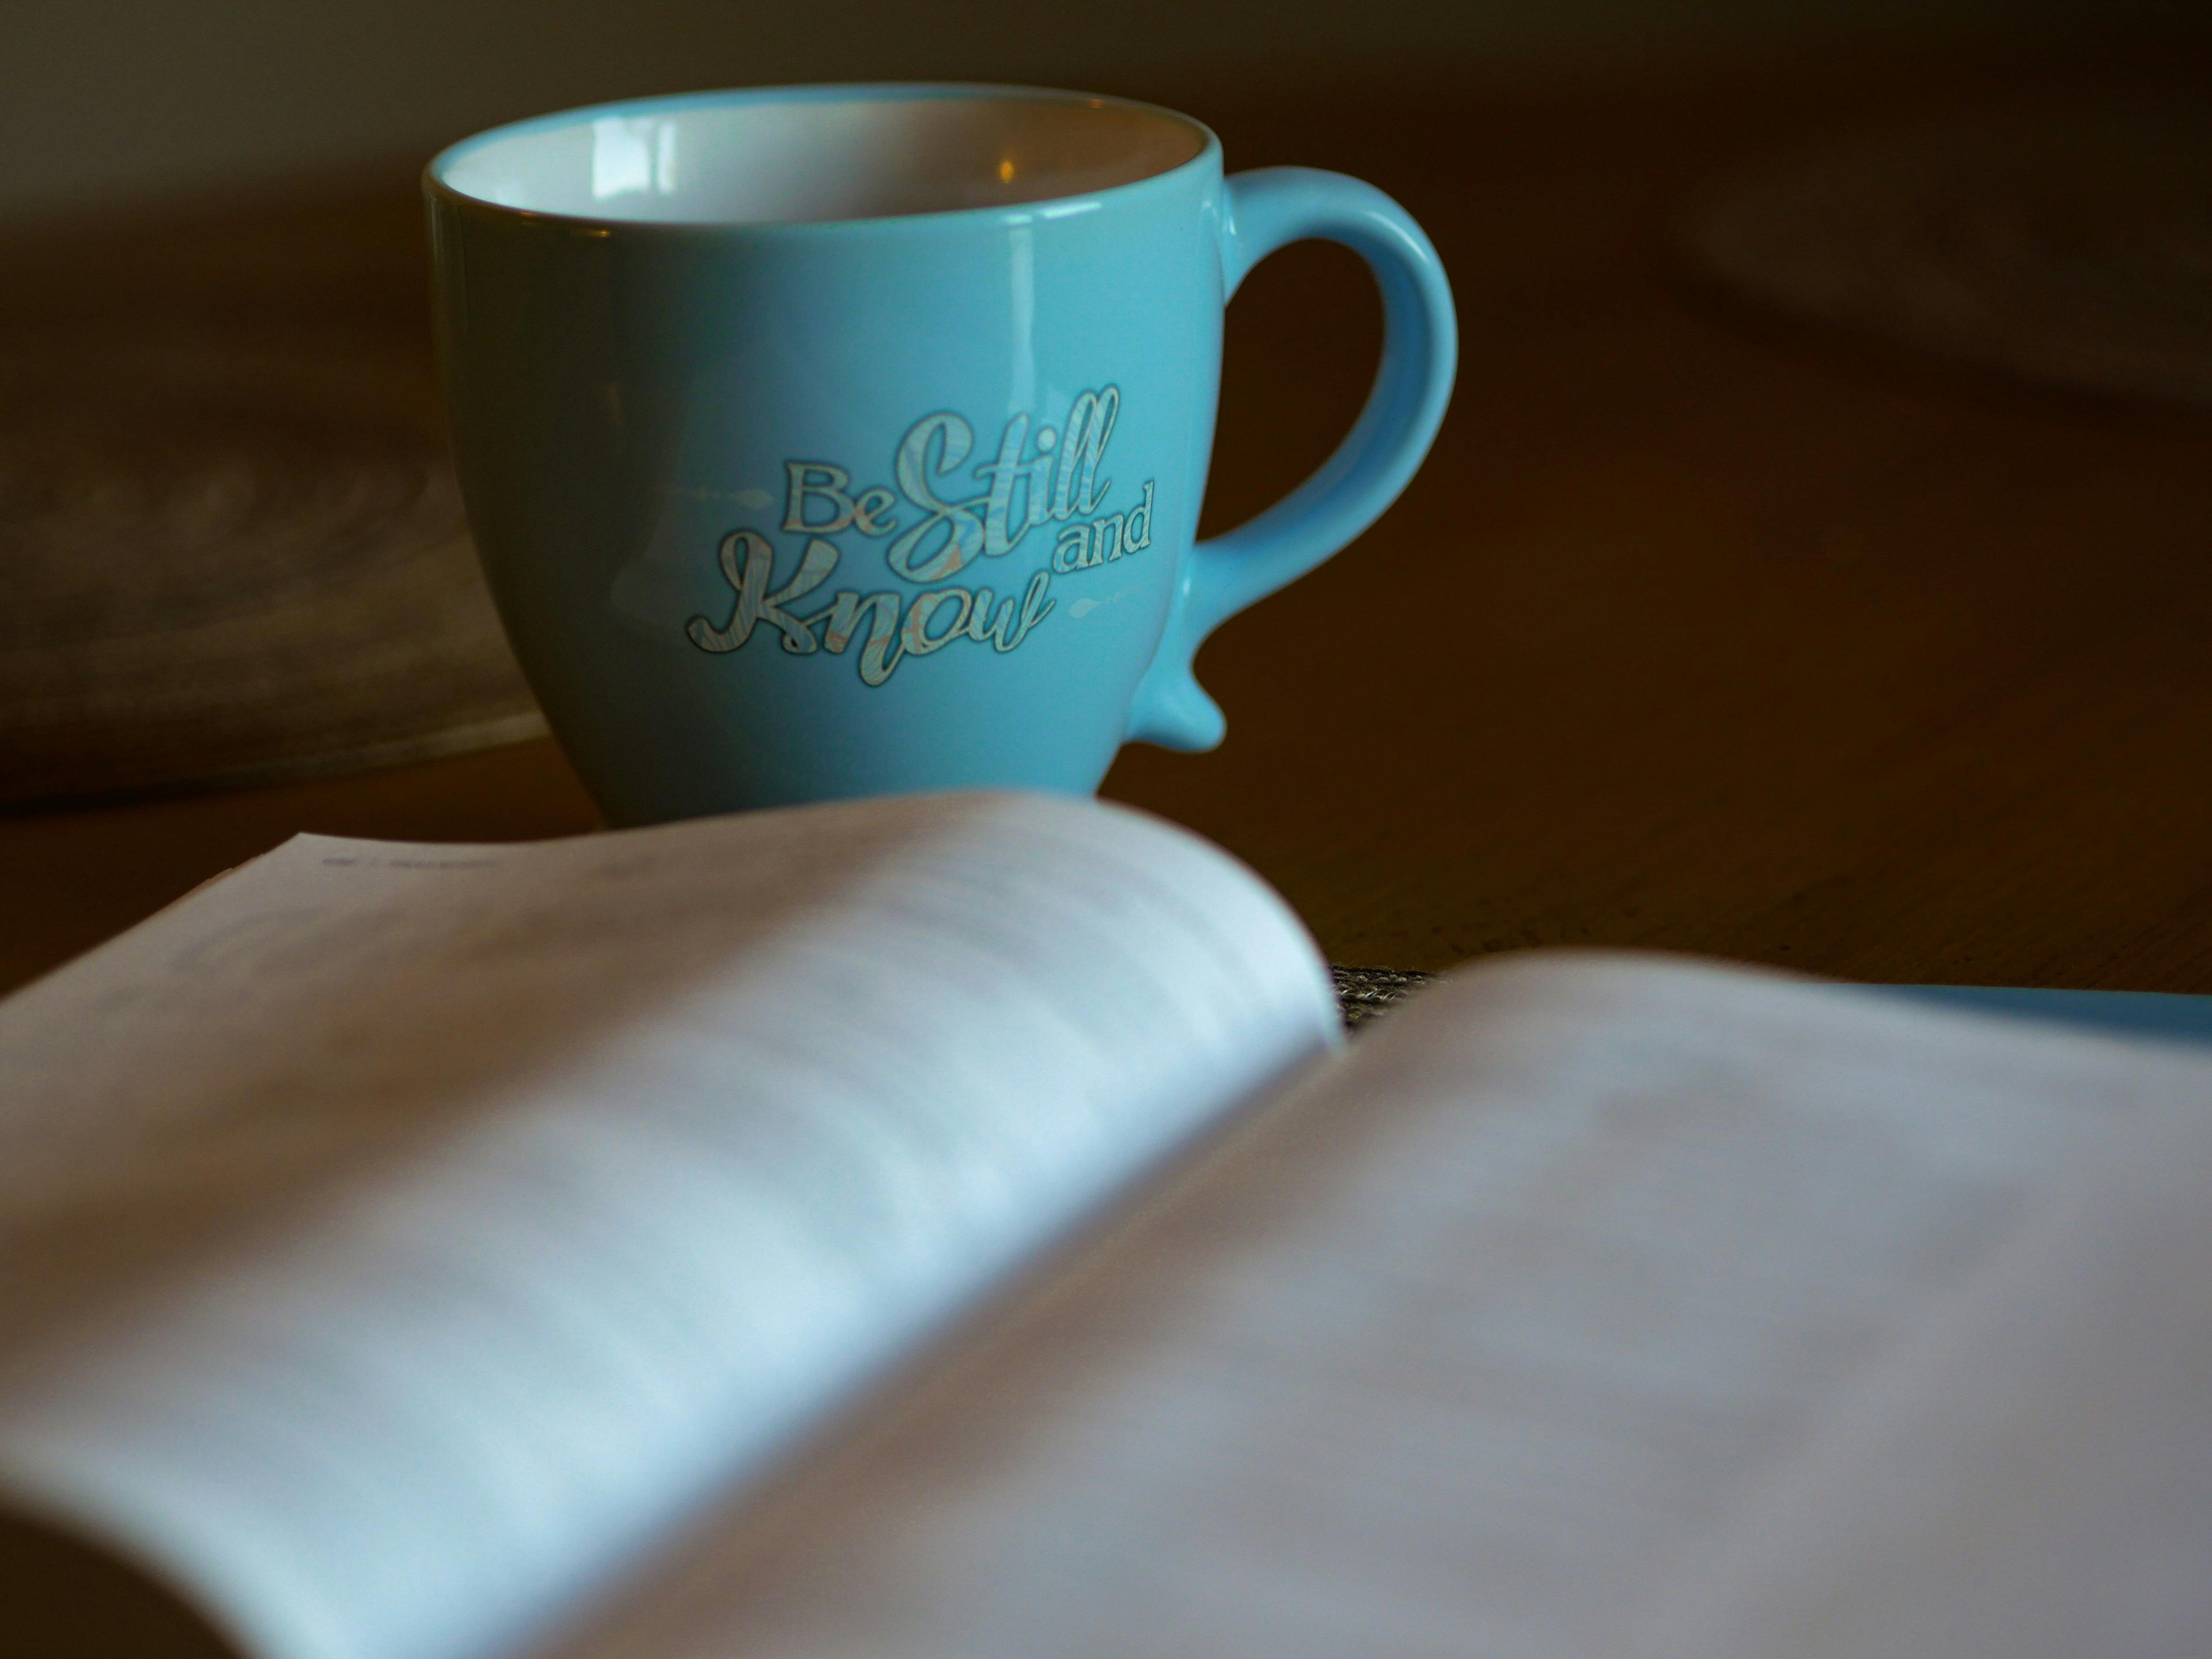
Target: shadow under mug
{"points": [[840, 440]]}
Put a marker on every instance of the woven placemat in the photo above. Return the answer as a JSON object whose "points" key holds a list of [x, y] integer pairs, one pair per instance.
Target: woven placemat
{"points": [[1363, 993], [2067, 245], [228, 558]]}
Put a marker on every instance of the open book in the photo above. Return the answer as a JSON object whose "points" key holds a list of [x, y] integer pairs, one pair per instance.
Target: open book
{"points": [[954, 1228]]}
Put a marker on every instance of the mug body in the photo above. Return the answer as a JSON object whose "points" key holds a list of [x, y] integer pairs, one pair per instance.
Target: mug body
{"points": [[831, 441]]}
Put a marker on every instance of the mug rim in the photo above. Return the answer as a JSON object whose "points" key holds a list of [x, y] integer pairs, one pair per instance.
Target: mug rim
{"points": [[437, 187]]}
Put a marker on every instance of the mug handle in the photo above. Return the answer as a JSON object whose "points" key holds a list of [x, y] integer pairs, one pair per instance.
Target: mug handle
{"points": [[1264, 210]]}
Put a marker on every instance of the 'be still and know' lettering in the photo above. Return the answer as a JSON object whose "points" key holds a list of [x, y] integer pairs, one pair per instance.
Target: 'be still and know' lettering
{"points": [[1050, 479]]}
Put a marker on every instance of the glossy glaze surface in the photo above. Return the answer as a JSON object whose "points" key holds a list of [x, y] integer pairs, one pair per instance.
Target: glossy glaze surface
{"points": [[795, 506]]}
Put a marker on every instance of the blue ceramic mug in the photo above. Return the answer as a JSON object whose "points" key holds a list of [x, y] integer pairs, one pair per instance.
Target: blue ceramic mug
{"points": [[839, 440]]}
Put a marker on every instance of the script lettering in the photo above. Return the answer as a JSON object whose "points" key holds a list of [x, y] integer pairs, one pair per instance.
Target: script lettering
{"points": [[1037, 477]]}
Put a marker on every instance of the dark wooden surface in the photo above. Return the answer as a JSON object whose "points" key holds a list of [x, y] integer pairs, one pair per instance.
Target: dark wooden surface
{"points": [[1699, 631]]}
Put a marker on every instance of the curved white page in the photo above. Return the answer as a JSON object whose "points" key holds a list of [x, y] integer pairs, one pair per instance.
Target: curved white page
{"points": [[1494, 1340], [394, 1240]]}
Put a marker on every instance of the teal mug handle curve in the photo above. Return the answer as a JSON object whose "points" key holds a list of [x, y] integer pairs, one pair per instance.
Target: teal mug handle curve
{"points": [[1266, 210]]}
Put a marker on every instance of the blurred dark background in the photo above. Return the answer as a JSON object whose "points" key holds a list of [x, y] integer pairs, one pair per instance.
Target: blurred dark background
{"points": [[1832, 592], [105, 98]]}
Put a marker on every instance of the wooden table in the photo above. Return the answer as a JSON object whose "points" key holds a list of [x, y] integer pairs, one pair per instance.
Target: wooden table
{"points": [[1699, 631]]}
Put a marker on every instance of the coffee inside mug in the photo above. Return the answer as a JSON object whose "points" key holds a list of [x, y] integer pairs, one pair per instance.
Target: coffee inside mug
{"points": [[762, 158]]}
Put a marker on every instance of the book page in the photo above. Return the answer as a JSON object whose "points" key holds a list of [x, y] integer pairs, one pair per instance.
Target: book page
{"points": [[2029, 1478], [395, 1240], [1491, 1340]]}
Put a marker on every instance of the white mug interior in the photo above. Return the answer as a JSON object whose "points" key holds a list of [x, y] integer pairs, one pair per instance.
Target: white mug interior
{"points": [[759, 158]]}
